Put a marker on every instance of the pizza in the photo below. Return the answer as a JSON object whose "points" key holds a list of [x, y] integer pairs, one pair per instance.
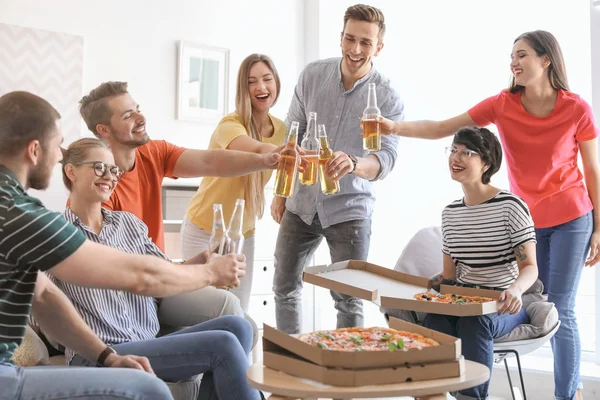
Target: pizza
{"points": [[367, 339], [452, 298]]}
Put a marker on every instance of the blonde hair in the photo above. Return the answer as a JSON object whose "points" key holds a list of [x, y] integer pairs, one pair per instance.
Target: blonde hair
{"points": [[76, 153], [254, 182]]}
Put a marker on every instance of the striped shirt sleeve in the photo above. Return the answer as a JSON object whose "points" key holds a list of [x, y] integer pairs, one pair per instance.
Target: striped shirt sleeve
{"points": [[520, 222], [35, 236], [141, 231]]}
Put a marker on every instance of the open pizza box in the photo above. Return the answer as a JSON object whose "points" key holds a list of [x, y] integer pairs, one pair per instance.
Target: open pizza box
{"points": [[448, 350], [286, 353], [392, 289]]}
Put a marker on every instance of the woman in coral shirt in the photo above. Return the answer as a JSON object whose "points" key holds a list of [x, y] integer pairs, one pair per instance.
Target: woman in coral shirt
{"points": [[543, 127]]}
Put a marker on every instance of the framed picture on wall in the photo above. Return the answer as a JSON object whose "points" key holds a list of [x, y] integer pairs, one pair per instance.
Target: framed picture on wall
{"points": [[202, 82]]}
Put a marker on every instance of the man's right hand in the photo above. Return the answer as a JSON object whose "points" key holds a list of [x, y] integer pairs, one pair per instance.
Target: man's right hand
{"points": [[227, 270], [277, 208], [129, 361]]}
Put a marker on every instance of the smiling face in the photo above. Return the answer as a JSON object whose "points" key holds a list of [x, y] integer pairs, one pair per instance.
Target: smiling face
{"points": [[127, 123], [466, 166], [85, 182], [262, 87], [526, 66], [359, 43]]}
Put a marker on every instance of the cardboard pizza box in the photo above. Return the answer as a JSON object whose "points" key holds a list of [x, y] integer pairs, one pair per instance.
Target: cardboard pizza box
{"points": [[284, 361], [393, 289], [448, 350]]}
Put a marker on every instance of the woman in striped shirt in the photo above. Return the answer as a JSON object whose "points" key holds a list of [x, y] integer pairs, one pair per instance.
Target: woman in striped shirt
{"points": [[489, 242], [129, 323]]}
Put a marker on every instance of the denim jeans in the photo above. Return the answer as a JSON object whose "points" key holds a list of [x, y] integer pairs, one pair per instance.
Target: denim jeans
{"points": [[561, 253], [477, 334], [63, 383], [296, 242], [217, 348]]}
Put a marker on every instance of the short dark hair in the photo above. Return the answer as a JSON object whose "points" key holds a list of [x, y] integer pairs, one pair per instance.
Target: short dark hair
{"points": [[363, 12], [24, 117], [486, 144], [94, 107]]}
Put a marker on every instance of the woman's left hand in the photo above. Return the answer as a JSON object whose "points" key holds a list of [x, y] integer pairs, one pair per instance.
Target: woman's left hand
{"points": [[594, 256], [511, 301]]}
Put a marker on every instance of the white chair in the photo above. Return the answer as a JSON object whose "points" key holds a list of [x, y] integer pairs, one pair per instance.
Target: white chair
{"points": [[422, 256], [517, 348]]}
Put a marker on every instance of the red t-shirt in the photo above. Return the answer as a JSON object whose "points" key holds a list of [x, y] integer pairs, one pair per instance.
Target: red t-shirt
{"points": [[140, 190], [541, 153]]}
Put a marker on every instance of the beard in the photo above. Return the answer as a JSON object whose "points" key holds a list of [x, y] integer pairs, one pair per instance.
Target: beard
{"points": [[39, 177], [134, 142]]}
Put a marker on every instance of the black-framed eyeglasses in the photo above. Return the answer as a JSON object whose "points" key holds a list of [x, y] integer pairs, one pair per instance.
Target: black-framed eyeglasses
{"points": [[462, 153], [101, 168]]}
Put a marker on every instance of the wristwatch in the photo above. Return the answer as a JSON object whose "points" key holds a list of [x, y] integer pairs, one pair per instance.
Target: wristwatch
{"points": [[354, 162], [104, 355]]}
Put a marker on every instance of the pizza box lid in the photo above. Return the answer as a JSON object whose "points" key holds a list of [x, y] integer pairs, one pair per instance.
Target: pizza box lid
{"points": [[448, 350], [392, 289], [284, 361]]}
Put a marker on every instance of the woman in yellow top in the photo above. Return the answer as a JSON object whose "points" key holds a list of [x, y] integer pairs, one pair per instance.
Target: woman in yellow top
{"points": [[250, 128]]}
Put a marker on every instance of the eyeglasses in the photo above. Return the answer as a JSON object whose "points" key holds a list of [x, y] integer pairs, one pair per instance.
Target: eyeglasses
{"points": [[462, 153], [101, 168]]}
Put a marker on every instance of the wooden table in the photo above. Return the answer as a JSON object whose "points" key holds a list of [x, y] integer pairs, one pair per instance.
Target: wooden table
{"points": [[284, 386]]}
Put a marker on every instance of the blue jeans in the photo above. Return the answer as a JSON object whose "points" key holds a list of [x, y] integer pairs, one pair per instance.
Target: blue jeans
{"points": [[561, 254], [62, 383], [477, 335], [217, 348], [296, 242]]}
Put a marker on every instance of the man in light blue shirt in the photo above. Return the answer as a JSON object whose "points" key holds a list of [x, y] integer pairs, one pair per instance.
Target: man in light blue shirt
{"points": [[337, 90]]}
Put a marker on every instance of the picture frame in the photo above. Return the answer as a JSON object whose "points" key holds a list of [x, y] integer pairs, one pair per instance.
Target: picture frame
{"points": [[202, 82]]}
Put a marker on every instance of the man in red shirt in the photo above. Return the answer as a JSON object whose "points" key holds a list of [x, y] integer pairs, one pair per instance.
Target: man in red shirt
{"points": [[113, 116]]}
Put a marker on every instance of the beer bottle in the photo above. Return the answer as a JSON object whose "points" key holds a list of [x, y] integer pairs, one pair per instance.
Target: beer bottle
{"points": [[371, 133], [311, 147], [218, 229], [285, 177], [234, 236], [328, 185]]}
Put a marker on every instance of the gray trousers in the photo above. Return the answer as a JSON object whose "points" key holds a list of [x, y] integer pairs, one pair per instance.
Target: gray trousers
{"points": [[296, 242]]}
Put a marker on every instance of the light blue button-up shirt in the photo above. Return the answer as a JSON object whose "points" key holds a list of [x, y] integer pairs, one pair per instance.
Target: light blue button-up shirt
{"points": [[320, 89]]}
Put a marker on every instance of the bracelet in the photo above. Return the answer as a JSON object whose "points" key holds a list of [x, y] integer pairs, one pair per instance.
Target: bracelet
{"points": [[104, 355], [354, 162]]}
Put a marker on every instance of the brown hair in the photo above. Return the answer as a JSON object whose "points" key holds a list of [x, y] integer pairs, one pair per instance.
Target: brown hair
{"points": [[24, 117], [76, 153], [94, 107], [363, 12], [544, 43], [254, 182]]}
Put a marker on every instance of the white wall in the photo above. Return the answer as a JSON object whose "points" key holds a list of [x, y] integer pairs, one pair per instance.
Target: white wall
{"points": [[444, 57], [595, 45], [135, 41]]}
